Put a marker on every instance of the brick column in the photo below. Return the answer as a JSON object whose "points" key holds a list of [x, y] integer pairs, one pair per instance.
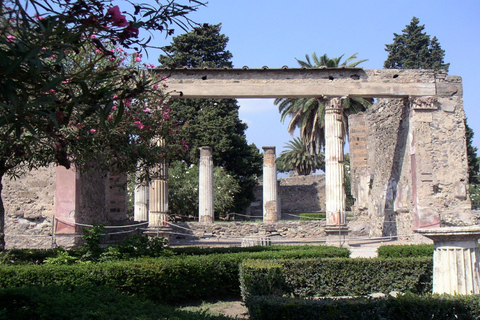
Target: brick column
{"points": [[334, 168], [270, 201], [205, 187]]}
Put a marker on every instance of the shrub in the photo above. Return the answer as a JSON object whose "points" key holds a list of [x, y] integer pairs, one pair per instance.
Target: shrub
{"points": [[405, 251], [60, 302], [260, 277], [312, 216], [166, 279], [405, 307], [26, 256], [338, 277]]}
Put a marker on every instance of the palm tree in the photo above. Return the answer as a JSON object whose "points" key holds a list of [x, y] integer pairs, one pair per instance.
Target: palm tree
{"points": [[296, 157], [308, 114]]}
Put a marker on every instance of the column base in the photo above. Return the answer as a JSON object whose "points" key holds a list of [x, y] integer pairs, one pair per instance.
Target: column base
{"points": [[337, 235], [163, 232]]}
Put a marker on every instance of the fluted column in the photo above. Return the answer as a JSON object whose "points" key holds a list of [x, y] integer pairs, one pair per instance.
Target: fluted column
{"points": [[140, 209], [334, 166], [158, 195], [456, 258], [270, 201], [205, 186]]}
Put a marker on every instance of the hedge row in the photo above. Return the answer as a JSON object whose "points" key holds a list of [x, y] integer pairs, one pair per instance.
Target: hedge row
{"points": [[166, 279], [66, 303], [407, 307], [405, 251], [264, 251], [17, 256], [335, 277]]}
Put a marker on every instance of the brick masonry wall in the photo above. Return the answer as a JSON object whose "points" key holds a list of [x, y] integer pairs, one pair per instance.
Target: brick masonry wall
{"points": [[297, 194]]}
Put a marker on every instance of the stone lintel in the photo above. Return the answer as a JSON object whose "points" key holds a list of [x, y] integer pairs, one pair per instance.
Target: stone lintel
{"points": [[296, 83]]}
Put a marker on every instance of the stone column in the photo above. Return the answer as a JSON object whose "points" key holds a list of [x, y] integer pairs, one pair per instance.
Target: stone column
{"points": [[140, 209], [334, 168], [270, 201], [205, 186], [456, 259], [158, 195]]}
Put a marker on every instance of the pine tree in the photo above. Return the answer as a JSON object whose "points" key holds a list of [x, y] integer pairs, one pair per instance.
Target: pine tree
{"points": [[473, 160], [415, 50], [213, 122]]}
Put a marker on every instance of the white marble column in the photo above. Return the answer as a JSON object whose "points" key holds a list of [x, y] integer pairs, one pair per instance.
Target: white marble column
{"points": [[456, 259], [205, 186], [158, 195], [140, 209], [334, 166], [271, 210]]}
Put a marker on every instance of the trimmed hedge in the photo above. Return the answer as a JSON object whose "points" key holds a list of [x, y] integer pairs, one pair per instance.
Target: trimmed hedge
{"points": [[405, 251], [17, 256], [313, 216], [260, 251], [335, 277], [406, 307], [166, 279], [65, 303]]}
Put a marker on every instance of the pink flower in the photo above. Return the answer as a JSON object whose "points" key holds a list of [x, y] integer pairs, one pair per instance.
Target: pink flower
{"points": [[98, 51], [147, 110], [118, 19], [38, 17], [110, 117], [127, 102], [66, 81], [53, 56], [93, 36], [155, 86], [111, 58], [138, 59], [115, 96], [93, 130], [11, 38], [114, 108]]}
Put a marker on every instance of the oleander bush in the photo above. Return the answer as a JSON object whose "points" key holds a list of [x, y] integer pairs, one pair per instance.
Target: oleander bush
{"points": [[405, 251], [402, 307], [335, 277]]}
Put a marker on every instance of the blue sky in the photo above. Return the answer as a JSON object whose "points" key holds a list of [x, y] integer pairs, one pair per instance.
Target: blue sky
{"points": [[274, 32]]}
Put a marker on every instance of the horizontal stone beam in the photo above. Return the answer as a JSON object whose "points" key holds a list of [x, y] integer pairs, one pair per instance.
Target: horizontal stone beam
{"points": [[299, 83]]}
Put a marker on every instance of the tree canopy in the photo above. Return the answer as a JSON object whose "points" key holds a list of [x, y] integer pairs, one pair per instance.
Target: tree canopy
{"points": [[296, 157], [414, 49], [213, 122], [68, 92], [308, 114]]}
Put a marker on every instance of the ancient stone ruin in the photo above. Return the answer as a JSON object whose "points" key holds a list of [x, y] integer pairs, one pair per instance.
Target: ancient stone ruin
{"points": [[408, 154]]}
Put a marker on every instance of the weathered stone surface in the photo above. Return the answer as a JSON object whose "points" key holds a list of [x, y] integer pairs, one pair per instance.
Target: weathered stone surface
{"points": [[298, 194], [30, 208], [296, 83], [411, 172]]}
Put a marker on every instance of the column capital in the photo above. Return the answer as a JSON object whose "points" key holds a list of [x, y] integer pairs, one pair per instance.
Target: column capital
{"points": [[333, 104]]}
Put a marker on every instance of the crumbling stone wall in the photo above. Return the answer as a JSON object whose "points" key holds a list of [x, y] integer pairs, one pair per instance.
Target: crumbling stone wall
{"points": [[409, 165], [297, 194], [33, 215], [29, 209]]}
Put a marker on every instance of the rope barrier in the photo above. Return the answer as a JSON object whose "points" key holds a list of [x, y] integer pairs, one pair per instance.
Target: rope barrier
{"points": [[106, 227]]}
